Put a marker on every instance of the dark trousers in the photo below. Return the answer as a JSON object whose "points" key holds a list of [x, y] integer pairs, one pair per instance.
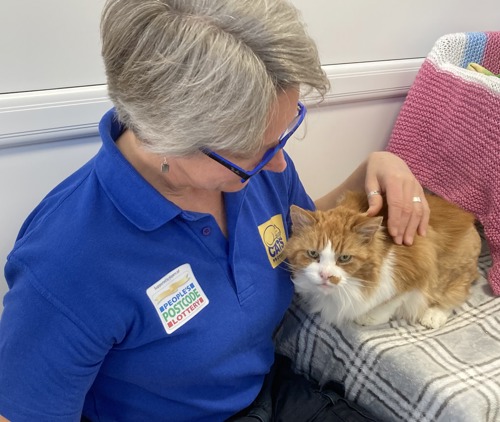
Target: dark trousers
{"points": [[287, 397]]}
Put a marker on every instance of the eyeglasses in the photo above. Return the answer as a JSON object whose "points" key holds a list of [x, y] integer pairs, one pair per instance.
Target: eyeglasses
{"points": [[268, 155]]}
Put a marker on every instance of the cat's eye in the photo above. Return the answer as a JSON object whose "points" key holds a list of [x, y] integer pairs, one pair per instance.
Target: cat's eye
{"points": [[313, 254], [344, 259]]}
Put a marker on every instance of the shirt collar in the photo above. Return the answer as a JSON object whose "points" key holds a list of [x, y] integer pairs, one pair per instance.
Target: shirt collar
{"points": [[132, 195]]}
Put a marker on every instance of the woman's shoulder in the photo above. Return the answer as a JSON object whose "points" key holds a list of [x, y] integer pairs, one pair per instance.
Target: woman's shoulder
{"points": [[54, 203]]}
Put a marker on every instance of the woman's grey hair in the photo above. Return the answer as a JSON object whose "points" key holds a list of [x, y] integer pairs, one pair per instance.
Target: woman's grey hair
{"points": [[191, 74]]}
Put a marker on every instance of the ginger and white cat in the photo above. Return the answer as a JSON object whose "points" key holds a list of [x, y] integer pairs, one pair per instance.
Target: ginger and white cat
{"points": [[346, 267]]}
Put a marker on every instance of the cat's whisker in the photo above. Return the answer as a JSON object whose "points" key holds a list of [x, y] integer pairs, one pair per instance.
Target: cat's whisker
{"points": [[346, 295], [356, 282], [290, 267]]}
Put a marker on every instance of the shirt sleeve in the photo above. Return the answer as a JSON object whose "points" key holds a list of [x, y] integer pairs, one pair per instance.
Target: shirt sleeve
{"points": [[48, 359]]}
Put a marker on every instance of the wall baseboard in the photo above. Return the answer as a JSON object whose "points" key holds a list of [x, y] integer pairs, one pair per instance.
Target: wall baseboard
{"points": [[62, 114]]}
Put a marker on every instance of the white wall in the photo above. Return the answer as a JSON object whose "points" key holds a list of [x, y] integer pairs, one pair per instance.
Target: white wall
{"points": [[352, 31], [55, 43], [49, 44]]}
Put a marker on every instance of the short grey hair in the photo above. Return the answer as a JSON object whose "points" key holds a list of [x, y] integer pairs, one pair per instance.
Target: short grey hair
{"points": [[191, 74]]}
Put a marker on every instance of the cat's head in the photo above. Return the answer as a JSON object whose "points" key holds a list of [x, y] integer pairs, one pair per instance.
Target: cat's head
{"points": [[333, 249]]}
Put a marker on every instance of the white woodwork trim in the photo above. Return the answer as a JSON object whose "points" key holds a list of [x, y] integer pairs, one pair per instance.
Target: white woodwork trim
{"points": [[370, 81]]}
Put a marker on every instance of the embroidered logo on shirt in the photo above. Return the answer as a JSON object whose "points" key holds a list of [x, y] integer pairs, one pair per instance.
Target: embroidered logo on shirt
{"points": [[273, 236], [177, 298]]}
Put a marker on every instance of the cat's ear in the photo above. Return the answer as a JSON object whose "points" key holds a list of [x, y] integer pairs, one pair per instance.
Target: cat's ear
{"points": [[368, 226], [301, 218]]}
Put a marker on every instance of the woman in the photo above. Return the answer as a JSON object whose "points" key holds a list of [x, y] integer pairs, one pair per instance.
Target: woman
{"points": [[147, 285]]}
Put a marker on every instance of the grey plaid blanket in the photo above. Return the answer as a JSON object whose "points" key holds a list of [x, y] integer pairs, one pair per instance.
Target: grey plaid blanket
{"points": [[408, 373]]}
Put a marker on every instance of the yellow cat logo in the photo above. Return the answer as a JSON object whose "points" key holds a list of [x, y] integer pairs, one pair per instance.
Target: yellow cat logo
{"points": [[273, 236]]}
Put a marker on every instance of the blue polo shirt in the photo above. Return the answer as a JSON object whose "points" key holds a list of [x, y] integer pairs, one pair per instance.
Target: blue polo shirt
{"points": [[126, 306]]}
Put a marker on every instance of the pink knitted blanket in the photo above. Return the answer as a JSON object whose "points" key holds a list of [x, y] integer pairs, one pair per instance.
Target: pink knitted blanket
{"points": [[448, 130]]}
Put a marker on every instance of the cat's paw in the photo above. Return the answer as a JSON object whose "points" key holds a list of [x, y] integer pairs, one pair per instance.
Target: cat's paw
{"points": [[370, 319], [434, 318]]}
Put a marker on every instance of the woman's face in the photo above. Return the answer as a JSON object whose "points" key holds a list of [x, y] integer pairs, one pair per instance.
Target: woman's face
{"points": [[202, 172]]}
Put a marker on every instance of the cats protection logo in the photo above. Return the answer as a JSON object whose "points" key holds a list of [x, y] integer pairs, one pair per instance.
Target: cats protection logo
{"points": [[273, 236], [177, 298]]}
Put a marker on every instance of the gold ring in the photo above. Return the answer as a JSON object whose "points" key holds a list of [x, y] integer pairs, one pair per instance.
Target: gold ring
{"points": [[372, 193], [416, 199]]}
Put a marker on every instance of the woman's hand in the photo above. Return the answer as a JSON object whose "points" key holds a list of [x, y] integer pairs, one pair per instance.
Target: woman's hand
{"points": [[389, 175]]}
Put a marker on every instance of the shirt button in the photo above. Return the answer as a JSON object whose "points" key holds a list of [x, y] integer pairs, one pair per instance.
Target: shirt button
{"points": [[206, 231]]}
